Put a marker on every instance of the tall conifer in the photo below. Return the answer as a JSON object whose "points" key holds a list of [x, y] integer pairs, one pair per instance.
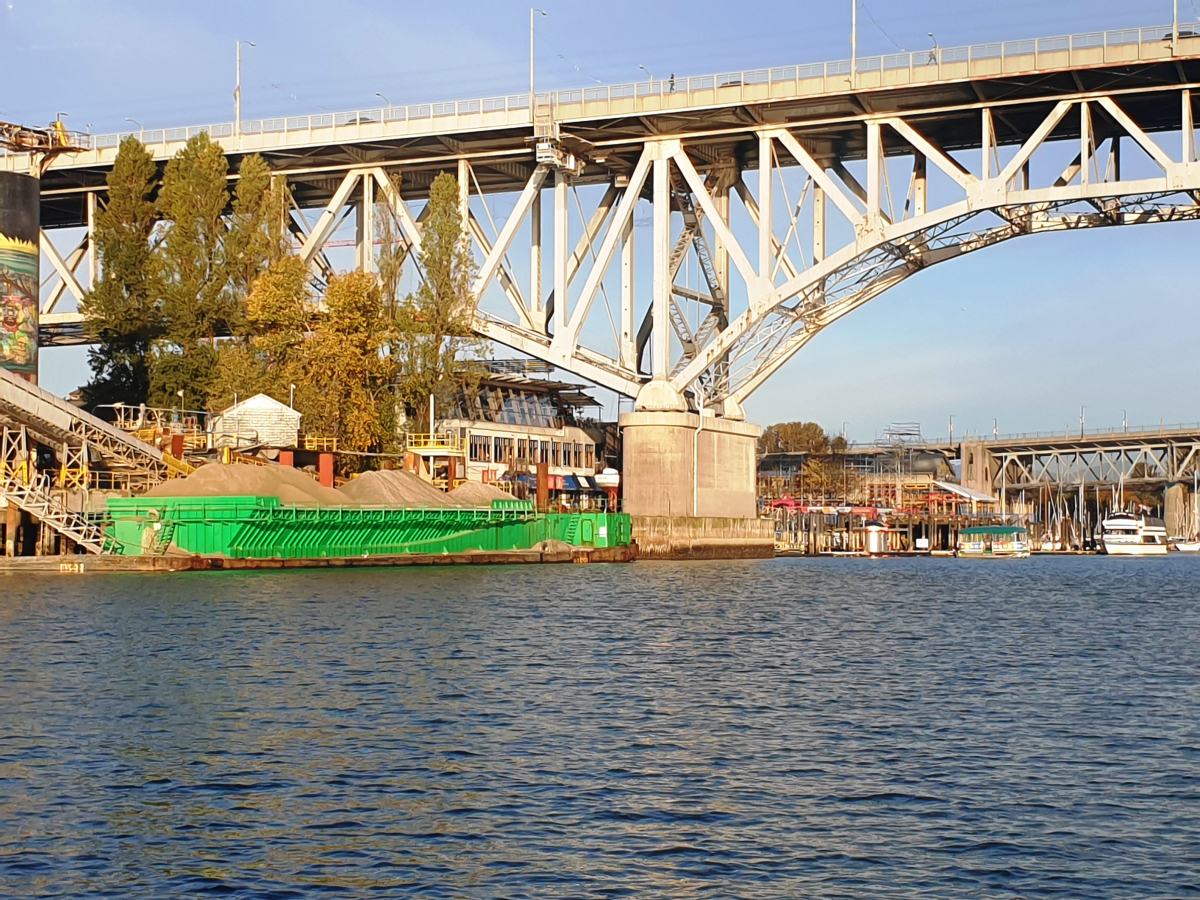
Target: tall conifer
{"points": [[123, 311]]}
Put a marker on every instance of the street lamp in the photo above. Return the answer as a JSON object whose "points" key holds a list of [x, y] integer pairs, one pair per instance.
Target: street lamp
{"points": [[995, 428], [384, 99], [853, 43], [952, 429], [141, 130], [1124, 420], [237, 91], [648, 75], [532, 10], [933, 54], [179, 394], [1082, 410]]}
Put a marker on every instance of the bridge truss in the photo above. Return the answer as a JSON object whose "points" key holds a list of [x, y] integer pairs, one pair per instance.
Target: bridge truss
{"points": [[767, 215]]}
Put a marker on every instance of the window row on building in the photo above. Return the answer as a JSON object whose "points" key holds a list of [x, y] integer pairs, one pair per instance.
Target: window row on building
{"points": [[508, 451]]}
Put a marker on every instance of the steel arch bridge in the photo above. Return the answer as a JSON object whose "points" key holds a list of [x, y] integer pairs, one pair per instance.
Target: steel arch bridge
{"points": [[787, 197]]}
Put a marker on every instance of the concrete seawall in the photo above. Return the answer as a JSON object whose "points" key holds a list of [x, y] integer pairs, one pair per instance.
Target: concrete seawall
{"points": [[703, 537]]}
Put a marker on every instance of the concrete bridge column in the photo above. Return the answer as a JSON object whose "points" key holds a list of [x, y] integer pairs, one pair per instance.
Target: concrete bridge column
{"points": [[680, 464], [979, 467], [690, 486], [1175, 500]]}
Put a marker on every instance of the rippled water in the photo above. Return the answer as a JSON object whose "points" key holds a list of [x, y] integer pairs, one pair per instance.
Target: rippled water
{"points": [[787, 728]]}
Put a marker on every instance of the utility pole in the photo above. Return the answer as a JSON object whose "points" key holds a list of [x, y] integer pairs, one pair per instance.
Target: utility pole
{"points": [[1082, 409], [854, 43], [237, 91], [1175, 28], [532, 10]]}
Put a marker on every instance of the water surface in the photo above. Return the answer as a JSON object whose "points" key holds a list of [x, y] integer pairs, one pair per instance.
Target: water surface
{"points": [[817, 728]]}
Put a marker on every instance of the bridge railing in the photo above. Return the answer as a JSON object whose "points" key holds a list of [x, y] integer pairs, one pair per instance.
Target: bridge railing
{"points": [[889, 70], [1140, 431]]}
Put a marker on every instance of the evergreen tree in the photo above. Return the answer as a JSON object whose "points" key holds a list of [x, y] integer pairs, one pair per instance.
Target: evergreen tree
{"points": [[197, 302], [257, 234], [123, 311], [435, 348]]}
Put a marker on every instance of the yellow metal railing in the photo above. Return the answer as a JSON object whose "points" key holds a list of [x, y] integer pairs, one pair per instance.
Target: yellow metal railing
{"points": [[71, 478], [324, 444], [446, 442], [177, 468], [18, 471]]}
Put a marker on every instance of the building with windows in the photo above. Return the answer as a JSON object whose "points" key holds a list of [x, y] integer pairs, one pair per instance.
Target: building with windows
{"points": [[514, 422]]}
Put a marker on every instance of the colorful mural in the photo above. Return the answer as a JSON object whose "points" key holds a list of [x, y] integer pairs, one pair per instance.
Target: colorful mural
{"points": [[18, 304]]}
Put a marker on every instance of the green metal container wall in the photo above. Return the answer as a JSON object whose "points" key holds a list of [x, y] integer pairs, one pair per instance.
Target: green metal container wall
{"points": [[263, 528]]}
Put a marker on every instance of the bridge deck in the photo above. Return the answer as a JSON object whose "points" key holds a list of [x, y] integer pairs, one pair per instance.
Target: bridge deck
{"points": [[715, 111]]}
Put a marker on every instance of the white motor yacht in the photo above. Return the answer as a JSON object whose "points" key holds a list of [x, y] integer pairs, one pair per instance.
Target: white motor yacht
{"points": [[1126, 534]]}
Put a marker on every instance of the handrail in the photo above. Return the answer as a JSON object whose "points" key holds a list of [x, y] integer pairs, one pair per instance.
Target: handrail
{"points": [[697, 89], [445, 441]]}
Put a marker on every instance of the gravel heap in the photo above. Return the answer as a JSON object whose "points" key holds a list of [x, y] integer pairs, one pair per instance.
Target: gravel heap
{"points": [[397, 489], [472, 493], [215, 480]]}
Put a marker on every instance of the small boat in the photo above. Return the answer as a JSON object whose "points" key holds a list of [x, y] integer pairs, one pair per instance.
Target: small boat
{"points": [[993, 542], [1126, 534], [1185, 545]]}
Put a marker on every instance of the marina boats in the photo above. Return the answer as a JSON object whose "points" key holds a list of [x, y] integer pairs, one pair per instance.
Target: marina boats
{"points": [[993, 542], [1127, 534]]}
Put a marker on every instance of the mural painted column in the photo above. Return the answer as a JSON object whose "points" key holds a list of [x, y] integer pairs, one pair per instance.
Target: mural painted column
{"points": [[19, 257]]}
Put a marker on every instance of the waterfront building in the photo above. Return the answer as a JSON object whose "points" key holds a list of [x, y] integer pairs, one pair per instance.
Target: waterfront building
{"points": [[509, 427]]}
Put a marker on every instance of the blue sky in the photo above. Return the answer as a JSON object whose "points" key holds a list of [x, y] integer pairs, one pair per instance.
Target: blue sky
{"points": [[1026, 332]]}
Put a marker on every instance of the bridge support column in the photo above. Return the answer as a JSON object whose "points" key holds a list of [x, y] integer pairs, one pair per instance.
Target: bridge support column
{"points": [[978, 467], [690, 486], [20, 206], [1175, 500], [674, 465]]}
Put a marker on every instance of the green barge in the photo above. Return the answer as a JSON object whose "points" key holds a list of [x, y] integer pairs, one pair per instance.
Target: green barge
{"points": [[265, 528]]}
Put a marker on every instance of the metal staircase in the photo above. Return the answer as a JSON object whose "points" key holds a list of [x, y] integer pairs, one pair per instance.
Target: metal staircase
{"points": [[55, 422], [36, 497]]}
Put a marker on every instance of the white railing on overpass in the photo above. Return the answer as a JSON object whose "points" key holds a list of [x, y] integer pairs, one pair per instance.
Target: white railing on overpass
{"points": [[750, 85], [1069, 434]]}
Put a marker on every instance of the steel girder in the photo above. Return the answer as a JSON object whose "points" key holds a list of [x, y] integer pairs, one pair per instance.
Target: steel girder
{"points": [[765, 291], [1131, 462]]}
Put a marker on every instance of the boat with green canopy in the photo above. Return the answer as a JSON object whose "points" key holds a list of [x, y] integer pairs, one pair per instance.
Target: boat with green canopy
{"points": [[993, 542]]}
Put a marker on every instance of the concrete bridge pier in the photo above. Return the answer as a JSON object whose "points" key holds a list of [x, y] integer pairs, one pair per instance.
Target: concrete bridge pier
{"points": [[1175, 514], [690, 483]]}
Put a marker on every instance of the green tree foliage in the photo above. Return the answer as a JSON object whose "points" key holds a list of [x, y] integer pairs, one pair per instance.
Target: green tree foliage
{"points": [[123, 312], [346, 387], [269, 357], [197, 301], [795, 437], [210, 258], [436, 351], [257, 234]]}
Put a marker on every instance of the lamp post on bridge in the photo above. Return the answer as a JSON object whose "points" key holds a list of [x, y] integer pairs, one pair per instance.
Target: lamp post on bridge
{"points": [[853, 42], [237, 91], [141, 130], [532, 10]]}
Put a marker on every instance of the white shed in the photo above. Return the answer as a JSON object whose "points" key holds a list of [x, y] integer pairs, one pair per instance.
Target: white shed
{"points": [[258, 421]]}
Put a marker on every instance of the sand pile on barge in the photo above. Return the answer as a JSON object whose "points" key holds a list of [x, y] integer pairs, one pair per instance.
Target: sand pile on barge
{"points": [[472, 493], [396, 489], [214, 480]]}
